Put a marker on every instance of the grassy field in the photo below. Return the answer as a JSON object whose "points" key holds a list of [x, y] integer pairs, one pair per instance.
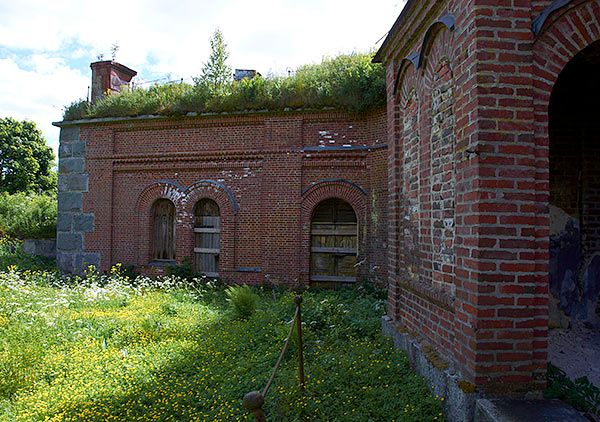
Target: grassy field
{"points": [[110, 349]]}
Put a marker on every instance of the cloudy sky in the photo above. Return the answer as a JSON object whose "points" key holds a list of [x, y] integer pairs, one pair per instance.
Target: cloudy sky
{"points": [[46, 46]]}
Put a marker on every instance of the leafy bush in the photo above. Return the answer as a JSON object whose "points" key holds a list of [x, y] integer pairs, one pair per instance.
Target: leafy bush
{"points": [[28, 215], [25, 159], [581, 394], [184, 271], [243, 300], [347, 82]]}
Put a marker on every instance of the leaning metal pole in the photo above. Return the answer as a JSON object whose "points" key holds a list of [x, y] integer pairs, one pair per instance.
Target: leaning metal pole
{"points": [[298, 301], [254, 400]]}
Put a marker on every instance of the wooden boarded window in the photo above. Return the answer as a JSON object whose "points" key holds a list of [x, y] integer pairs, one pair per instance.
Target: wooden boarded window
{"points": [[207, 236], [163, 230], [334, 245]]}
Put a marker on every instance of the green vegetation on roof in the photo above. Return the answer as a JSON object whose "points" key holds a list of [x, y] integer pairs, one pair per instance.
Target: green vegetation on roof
{"points": [[347, 82]]}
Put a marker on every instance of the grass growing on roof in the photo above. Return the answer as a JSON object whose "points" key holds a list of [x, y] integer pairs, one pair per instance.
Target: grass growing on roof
{"points": [[109, 349], [347, 82]]}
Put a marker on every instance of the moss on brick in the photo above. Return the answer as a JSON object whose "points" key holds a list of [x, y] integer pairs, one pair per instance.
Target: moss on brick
{"points": [[466, 387], [434, 358]]}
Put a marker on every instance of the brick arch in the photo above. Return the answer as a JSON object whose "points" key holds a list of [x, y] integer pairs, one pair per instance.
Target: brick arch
{"points": [[439, 38], [212, 190], [408, 66], [318, 192], [437, 184], [550, 13], [143, 211], [438, 60], [438, 50], [408, 176], [564, 35], [408, 84], [403, 151], [228, 208]]}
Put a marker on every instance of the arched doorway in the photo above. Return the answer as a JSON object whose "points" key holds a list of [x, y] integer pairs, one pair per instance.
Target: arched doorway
{"points": [[574, 161], [334, 243], [207, 236], [163, 230]]}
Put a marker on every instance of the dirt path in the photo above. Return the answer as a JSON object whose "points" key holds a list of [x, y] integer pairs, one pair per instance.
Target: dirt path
{"points": [[576, 351]]}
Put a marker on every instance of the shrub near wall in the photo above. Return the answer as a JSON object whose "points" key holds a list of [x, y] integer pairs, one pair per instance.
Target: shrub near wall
{"points": [[28, 215]]}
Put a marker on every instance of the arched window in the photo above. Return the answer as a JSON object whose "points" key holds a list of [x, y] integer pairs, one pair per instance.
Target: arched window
{"points": [[163, 230], [207, 235], [334, 245]]}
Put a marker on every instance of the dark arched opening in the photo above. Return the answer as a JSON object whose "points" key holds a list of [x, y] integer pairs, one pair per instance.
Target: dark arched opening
{"points": [[574, 153], [334, 243]]}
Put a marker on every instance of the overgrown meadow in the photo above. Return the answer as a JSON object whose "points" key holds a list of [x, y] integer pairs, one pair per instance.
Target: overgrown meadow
{"points": [[113, 348]]}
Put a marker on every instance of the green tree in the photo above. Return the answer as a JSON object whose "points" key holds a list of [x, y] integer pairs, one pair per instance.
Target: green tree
{"points": [[216, 75], [25, 159]]}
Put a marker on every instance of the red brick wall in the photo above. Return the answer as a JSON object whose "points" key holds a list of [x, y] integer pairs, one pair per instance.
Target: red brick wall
{"points": [[267, 163], [484, 305], [422, 117]]}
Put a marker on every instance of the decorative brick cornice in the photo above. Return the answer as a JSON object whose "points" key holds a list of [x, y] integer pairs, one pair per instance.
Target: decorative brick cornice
{"points": [[233, 155], [332, 163], [256, 117]]}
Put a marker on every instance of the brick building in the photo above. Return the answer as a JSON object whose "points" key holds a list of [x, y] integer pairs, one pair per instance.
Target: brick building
{"points": [[480, 192], [293, 197], [494, 206]]}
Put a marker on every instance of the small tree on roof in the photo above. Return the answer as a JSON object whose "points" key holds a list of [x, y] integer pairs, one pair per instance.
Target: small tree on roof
{"points": [[216, 74]]}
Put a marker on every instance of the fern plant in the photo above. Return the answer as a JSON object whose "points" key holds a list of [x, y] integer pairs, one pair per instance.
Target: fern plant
{"points": [[243, 300]]}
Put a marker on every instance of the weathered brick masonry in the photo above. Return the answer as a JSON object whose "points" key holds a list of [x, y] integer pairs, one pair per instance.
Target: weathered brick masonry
{"points": [[474, 171], [480, 193], [266, 172]]}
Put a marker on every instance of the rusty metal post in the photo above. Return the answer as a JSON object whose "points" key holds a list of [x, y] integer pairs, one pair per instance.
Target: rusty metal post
{"points": [[253, 402], [298, 301]]}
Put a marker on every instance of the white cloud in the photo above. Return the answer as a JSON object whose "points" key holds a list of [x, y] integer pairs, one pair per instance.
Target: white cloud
{"points": [[39, 93], [157, 38]]}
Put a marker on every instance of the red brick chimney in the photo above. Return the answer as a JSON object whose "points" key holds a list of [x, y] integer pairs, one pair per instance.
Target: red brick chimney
{"points": [[109, 76]]}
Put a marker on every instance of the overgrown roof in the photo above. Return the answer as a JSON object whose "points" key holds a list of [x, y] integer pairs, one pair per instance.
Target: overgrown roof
{"points": [[347, 82]]}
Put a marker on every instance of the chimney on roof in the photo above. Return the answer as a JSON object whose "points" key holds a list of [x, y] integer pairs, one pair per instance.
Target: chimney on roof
{"points": [[240, 74], [109, 77]]}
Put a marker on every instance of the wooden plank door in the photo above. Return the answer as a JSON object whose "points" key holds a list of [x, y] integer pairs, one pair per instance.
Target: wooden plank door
{"points": [[163, 231], [207, 237], [334, 243]]}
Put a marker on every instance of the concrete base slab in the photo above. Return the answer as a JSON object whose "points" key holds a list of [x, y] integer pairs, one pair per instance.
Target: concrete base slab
{"points": [[40, 247], [459, 405], [514, 410]]}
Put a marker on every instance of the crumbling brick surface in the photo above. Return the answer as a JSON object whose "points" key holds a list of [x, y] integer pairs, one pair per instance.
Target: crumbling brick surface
{"points": [[262, 169], [469, 85]]}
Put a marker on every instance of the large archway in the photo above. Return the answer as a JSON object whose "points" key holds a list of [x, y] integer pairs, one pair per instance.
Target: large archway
{"points": [[574, 271]]}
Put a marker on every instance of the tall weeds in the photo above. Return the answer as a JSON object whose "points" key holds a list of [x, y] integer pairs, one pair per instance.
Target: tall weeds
{"points": [[347, 82], [28, 215]]}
